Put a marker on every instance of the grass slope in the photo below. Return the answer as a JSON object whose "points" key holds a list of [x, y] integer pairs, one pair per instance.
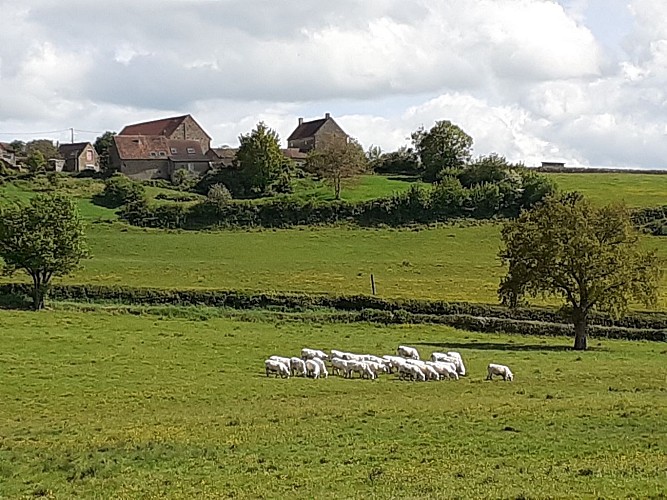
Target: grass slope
{"points": [[636, 190], [449, 263], [103, 406]]}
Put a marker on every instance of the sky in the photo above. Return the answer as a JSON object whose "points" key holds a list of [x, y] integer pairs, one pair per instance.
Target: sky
{"points": [[579, 81]]}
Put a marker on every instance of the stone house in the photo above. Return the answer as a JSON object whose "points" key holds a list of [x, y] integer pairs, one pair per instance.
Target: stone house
{"points": [[309, 135], [79, 156], [7, 154], [179, 127], [156, 156]]}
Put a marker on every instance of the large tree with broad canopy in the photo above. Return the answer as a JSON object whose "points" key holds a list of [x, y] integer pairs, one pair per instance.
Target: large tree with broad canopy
{"points": [[589, 256]]}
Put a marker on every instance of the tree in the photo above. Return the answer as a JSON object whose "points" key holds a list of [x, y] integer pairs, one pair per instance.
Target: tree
{"points": [[445, 146], [403, 161], [336, 161], [36, 161], [44, 238], [44, 146], [588, 256], [259, 159], [103, 145]]}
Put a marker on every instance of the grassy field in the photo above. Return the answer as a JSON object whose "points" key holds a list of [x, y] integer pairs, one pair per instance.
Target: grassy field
{"points": [[449, 262], [98, 405], [636, 190]]}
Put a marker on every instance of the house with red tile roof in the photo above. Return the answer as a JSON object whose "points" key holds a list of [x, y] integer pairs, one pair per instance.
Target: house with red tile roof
{"points": [[156, 156], [179, 127]]}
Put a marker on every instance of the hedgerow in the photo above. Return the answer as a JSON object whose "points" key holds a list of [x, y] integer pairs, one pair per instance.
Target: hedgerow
{"points": [[464, 315]]}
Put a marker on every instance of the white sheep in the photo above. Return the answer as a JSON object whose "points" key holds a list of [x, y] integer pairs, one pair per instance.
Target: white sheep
{"points": [[393, 362], [377, 368], [313, 353], [298, 366], [361, 368], [312, 368], [460, 367], [277, 367], [407, 352], [446, 370], [323, 367], [441, 356], [411, 371], [339, 366], [282, 359], [502, 370]]}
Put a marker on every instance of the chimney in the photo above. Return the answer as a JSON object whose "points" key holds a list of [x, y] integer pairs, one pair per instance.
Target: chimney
{"points": [[300, 121], [327, 116]]}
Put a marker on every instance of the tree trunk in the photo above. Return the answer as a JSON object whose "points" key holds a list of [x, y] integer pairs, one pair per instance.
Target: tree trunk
{"points": [[580, 329], [38, 293]]}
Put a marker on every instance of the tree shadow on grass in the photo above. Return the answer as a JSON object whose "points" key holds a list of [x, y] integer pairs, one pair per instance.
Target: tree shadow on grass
{"points": [[495, 346]]}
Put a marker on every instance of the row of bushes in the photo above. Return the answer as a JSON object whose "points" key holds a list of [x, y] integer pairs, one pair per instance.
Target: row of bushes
{"points": [[651, 220], [420, 204], [390, 309]]}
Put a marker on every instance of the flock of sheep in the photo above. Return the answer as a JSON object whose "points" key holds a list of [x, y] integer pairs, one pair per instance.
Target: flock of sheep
{"points": [[405, 363]]}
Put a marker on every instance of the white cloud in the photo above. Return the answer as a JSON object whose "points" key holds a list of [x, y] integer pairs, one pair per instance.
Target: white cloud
{"points": [[525, 78]]}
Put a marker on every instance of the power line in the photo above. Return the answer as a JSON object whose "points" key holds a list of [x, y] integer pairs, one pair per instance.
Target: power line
{"points": [[36, 133]]}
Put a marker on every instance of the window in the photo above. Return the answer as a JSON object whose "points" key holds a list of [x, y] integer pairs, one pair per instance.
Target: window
{"points": [[163, 153], [153, 153], [174, 151], [191, 167], [191, 151], [89, 155]]}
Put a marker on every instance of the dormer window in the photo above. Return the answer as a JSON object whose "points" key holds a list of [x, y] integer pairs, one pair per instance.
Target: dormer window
{"points": [[174, 151], [191, 151], [153, 153], [163, 153]]}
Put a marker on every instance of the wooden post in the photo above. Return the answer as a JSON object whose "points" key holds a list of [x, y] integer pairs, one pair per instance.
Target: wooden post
{"points": [[373, 284]]}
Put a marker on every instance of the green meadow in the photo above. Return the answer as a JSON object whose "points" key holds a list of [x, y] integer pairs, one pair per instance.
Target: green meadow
{"points": [[635, 190], [102, 405]]}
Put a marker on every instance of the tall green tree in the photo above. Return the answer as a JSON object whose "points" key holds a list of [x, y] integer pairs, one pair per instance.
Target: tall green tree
{"points": [[44, 146], [260, 159], [444, 146], [44, 238], [338, 161], [585, 255], [103, 145]]}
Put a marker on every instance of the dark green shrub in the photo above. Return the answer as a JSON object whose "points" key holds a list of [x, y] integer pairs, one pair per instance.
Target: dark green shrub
{"points": [[120, 190]]}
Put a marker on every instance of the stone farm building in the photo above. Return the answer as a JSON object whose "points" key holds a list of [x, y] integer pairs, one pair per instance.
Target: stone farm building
{"points": [[313, 134], [79, 156], [156, 149]]}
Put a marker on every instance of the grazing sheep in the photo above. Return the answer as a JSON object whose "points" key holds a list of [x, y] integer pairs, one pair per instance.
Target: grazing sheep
{"points": [[441, 356], [337, 354], [393, 362], [411, 371], [277, 367], [312, 368], [377, 368], [501, 370], [444, 369], [361, 368], [323, 367], [339, 366], [371, 357], [298, 366], [282, 359], [460, 367], [313, 353], [407, 352]]}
